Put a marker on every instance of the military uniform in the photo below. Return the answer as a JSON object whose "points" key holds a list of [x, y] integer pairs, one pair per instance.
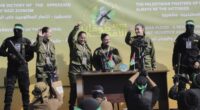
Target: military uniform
{"points": [[80, 61], [17, 69], [186, 53], [45, 55], [108, 60], [141, 46], [188, 46]]}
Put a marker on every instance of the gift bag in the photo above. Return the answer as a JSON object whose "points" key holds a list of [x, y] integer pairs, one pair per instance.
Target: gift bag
{"points": [[57, 85]]}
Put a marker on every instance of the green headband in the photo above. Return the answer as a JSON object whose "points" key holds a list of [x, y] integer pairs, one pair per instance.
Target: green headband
{"points": [[189, 22], [18, 26], [141, 88], [77, 108]]}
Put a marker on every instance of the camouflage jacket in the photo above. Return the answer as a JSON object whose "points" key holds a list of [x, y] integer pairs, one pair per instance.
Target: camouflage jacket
{"points": [[78, 53], [101, 61], [44, 51], [147, 48]]}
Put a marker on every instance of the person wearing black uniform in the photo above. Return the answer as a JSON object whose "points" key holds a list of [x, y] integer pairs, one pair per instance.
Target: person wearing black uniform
{"points": [[186, 49], [12, 48], [185, 57], [140, 92]]}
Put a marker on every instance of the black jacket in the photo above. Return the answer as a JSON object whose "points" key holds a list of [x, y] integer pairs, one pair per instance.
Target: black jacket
{"points": [[24, 48], [188, 55], [134, 100]]}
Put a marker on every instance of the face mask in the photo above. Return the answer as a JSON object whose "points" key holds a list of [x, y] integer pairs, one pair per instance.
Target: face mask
{"points": [[77, 108], [142, 88], [17, 33], [190, 29]]}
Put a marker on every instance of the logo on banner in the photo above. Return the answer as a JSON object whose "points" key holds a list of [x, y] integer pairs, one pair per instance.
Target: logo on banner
{"points": [[102, 15]]}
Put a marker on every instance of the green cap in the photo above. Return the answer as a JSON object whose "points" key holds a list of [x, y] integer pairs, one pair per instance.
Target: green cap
{"points": [[189, 22], [18, 26]]}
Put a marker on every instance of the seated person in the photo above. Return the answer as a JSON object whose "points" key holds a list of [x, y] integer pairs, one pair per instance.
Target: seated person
{"points": [[141, 93], [88, 104], [42, 100], [106, 57], [188, 99], [195, 80], [98, 94]]}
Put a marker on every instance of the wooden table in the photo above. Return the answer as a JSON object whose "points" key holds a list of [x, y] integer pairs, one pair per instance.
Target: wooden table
{"points": [[113, 83]]}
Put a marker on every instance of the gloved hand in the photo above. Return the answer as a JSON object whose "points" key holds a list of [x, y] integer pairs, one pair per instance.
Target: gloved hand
{"points": [[184, 77], [173, 92], [176, 79]]}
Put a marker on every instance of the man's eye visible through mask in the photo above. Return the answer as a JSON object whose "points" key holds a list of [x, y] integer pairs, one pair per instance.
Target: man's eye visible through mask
{"points": [[190, 26]]}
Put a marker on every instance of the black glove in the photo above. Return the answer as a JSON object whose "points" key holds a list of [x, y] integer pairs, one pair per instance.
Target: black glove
{"points": [[184, 77], [173, 92], [176, 79]]}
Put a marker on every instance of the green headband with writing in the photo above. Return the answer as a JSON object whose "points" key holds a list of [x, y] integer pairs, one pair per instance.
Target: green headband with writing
{"points": [[141, 88]]}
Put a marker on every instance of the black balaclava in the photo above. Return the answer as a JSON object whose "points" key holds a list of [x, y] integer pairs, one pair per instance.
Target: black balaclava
{"points": [[18, 29], [189, 27]]}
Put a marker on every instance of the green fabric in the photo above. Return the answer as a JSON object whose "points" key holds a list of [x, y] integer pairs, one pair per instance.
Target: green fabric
{"points": [[77, 108], [100, 64], [111, 64], [190, 22], [18, 26], [142, 88]]}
